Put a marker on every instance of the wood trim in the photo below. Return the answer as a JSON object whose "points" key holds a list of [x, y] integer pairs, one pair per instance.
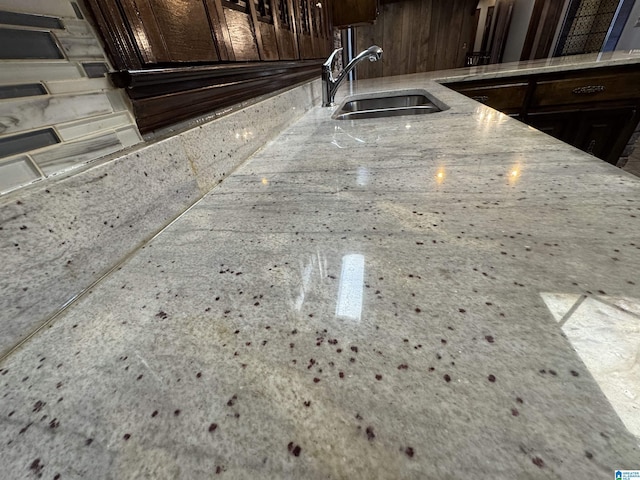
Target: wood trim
{"points": [[119, 41], [164, 96]]}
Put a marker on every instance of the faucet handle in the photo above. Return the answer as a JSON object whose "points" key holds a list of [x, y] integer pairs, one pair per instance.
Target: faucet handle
{"points": [[331, 59]]}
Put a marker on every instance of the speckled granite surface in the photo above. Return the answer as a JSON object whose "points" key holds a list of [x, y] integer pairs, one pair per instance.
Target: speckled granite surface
{"points": [[60, 235], [358, 300]]}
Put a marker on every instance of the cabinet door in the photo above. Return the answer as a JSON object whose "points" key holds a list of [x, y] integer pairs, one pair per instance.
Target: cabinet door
{"points": [[602, 133], [561, 125], [171, 31], [605, 133], [239, 24], [303, 23], [285, 30]]}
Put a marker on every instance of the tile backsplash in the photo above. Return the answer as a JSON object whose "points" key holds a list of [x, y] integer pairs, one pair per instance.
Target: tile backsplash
{"points": [[58, 111]]}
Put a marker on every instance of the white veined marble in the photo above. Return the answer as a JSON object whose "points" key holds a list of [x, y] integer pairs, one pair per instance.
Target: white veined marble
{"points": [[24, 71], [16, 172], [75, 86], [80, 47], [19, 115], [90, 126], [58, 8], [64, 156]]}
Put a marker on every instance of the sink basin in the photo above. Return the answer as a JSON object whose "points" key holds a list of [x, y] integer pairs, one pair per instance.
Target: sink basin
{"points": [[388, 104]]}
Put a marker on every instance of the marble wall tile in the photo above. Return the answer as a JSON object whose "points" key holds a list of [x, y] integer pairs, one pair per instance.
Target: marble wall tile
{"points": [[81, 128], [80, 47], [72, 154], [17, 171], [119, 103], [25, 72], [20, 115], [77, 28], [128, 136], [60, 8], [76, 86]]}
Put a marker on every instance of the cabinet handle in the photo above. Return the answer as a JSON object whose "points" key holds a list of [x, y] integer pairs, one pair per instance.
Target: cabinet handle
{"points": [[481, 98], [589, 90]]}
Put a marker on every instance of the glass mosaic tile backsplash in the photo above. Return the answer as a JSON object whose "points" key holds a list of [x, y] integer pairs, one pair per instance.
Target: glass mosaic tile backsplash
{"points": [[58, 110]]}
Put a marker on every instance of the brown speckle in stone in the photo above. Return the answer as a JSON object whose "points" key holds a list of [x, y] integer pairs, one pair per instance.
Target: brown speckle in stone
{"points": [[307, 403], [232, 401], [370, 434], [491, 378], [489, 338], [176, 412], [461, 310], [588, 454], [126, 436], [294, 449], [409, 451], [515, 412], [38, 405], [88, 441], [553, 372], [199, 374], [155, 413], [213, 427], [37, 467], [354, 349], [316, 380], [161, 314], [378, 377], [341, 374], [55, 423], [403, 366], [418, 310], [538, 462], [218, 470], [443, 341], [519, 400], [56, 476], [574, 373], [447, 378]]}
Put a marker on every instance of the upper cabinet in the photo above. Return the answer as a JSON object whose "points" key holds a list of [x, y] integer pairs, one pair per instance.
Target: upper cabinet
{"points": [[170, 31], [165, 32], [347, 13], [179, 59]]}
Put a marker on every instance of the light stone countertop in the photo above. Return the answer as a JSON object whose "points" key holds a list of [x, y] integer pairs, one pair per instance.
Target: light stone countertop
{"points": [[389, 298]]}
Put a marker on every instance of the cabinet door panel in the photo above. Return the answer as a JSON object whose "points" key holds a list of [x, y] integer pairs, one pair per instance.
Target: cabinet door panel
{"points": [[285, 30], [243, 40], [185, 30]]}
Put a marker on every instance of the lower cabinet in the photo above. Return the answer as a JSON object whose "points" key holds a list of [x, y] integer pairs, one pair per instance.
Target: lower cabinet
{"points": [[596, 110], [601, 133]]}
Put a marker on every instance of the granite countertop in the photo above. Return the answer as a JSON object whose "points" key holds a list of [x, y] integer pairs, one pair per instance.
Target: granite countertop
{"points": [[411, 297]]}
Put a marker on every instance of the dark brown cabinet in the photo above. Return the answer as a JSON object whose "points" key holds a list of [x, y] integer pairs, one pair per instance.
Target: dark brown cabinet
{"points": [[181, 58], [347, 13], [595, 110]]}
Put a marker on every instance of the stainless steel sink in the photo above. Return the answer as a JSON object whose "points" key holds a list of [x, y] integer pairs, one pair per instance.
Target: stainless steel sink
{"points": [[389, 104]]}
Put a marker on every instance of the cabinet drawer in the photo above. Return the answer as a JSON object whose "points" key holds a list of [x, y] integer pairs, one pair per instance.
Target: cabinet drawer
{"points": [[586, 89], [507, 97]]}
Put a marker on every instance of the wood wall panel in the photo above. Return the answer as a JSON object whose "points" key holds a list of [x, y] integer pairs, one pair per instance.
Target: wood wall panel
{"points": [[418, 36]]}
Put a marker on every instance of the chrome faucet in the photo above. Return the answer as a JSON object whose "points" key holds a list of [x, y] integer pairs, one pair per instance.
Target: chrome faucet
{"points": [[330, 84]]}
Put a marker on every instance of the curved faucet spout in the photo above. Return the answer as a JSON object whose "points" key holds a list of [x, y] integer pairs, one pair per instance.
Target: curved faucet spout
{"points": [[330, 84]]}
